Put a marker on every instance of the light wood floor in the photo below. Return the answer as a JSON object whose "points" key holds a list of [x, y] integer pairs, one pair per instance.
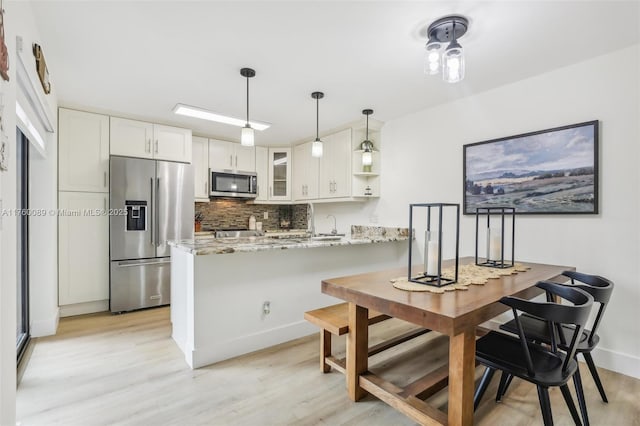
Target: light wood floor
{"points": [[126, 370]]}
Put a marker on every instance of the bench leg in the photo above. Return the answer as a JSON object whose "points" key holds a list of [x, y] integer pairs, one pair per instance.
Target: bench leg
{"points": [[325, 350]]}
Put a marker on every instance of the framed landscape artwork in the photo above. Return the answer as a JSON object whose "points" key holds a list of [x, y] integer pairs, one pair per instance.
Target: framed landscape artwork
{"points": [[546, 172]]}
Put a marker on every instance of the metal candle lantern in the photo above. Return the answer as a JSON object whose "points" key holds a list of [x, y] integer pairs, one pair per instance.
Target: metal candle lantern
{"points": [[495, 236], [432, 274]]}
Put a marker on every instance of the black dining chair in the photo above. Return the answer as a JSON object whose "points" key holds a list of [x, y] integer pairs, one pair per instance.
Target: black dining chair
{"points": [[536, 329], [541, 365]]}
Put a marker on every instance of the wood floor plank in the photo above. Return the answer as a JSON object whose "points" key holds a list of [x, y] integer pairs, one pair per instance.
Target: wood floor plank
{"points": [[126, 370]]}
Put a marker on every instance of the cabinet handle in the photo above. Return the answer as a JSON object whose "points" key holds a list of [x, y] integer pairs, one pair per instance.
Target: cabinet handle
{"points": [[156, 146], [335, 186], [104, 203], [105, 179], [148, 146], [231, 161], [206, 187], [236, 161], [271, 190]]}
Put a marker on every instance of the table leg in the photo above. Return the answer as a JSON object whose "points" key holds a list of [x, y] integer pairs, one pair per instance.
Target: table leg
{"points": [[357, 350], [462, 354]]}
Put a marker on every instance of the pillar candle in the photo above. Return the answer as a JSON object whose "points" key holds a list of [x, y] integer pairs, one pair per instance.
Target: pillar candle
{"points": [[495, 244], [432, 257]]}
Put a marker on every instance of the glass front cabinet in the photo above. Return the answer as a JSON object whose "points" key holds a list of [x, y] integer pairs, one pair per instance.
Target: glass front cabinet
{"points": [[280, 174]]}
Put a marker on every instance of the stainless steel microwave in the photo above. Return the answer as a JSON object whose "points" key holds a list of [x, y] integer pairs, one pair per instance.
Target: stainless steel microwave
{"points": [[228, 184]]}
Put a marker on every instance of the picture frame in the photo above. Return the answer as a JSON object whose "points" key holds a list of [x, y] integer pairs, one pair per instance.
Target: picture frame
{"points": [[551, 171]]}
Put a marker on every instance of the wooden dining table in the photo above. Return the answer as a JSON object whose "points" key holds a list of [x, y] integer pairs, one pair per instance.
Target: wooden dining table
{"points": [[456, 314]]}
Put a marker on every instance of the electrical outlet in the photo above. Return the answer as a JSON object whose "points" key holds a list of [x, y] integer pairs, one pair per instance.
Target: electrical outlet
{"points": [[266, 215], [266, 308]]}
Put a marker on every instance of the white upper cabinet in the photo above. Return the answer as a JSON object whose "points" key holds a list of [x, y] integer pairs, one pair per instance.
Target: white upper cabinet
{"points": [[131, 138], [305, 173], [200, 149], [335, 166], [229, 156], [83, 151], [262, 170], [172, 143]]}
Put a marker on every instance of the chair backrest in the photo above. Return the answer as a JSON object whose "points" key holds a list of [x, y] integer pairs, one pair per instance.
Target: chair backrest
{"points": [[555, 314], [598, 287]]}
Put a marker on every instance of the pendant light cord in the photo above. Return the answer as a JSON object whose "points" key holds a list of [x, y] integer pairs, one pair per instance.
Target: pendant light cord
{"points": [[317, 118], [247, 100], [367, 127]]}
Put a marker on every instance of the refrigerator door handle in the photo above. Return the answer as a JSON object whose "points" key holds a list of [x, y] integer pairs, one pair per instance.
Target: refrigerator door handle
{"points": [[157, 208], [129, 264], [150, 215]]}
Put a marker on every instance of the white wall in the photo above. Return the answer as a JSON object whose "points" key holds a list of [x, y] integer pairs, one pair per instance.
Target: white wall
{"points": [[18, 19], [422, 162]]}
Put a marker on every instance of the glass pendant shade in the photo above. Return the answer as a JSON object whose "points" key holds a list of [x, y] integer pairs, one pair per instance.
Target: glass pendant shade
{"points": [[453, 67], [367, 158], [316, 148], [432, 58], [246, 137]]}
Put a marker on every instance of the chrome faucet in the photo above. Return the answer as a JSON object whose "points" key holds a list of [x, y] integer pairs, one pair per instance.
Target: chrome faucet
{"points": [[334, 231], [311, 226]]}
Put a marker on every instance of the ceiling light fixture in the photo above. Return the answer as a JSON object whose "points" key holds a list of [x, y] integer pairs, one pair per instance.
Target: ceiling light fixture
{"points": [[205, 114], [246, 137], [367, 145], [446, 30], [316, 146]]}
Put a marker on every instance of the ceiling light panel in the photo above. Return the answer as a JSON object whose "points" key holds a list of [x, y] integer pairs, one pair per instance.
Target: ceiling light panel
{"points": [[204, 114]]}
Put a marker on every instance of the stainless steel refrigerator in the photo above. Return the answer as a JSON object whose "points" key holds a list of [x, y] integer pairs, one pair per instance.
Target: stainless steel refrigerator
{"points": [[151, 203]]}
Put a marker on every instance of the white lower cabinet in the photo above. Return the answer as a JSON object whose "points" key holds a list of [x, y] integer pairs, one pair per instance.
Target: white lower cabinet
{"points": [[83, 247]]}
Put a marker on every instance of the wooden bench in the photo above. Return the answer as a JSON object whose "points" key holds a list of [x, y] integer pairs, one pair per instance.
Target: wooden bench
{"points": [[334, 319]]}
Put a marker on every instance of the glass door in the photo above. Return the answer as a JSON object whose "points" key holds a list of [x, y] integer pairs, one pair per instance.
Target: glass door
{"points": [[22, 165], [280, 173]]}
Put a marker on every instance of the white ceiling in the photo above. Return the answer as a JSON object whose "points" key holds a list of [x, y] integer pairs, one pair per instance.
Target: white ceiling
{"points": [[139, 59]]}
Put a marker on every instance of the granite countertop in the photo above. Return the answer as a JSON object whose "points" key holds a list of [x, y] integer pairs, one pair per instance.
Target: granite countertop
{"points": [[206, 244]]}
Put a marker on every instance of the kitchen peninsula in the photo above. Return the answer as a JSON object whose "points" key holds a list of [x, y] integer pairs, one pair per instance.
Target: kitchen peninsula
{"points": [[234, 296]]}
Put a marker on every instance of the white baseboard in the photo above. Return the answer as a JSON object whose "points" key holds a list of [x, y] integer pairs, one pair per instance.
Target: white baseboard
{"points": [[622, 363], [84, 308], [619, 362], [209, 354], [46, 327]]}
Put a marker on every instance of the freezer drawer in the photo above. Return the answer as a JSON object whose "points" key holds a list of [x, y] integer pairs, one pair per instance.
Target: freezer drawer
{"points": [[137, 284]]}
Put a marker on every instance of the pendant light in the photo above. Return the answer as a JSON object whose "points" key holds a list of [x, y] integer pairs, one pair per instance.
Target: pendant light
{"points": [[446, 31], [246, 137], [316, 146], [367, 145], [453, 67]]}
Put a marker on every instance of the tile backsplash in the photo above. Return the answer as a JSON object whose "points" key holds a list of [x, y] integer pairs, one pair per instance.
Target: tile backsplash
{"points": [[229, 213]]}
